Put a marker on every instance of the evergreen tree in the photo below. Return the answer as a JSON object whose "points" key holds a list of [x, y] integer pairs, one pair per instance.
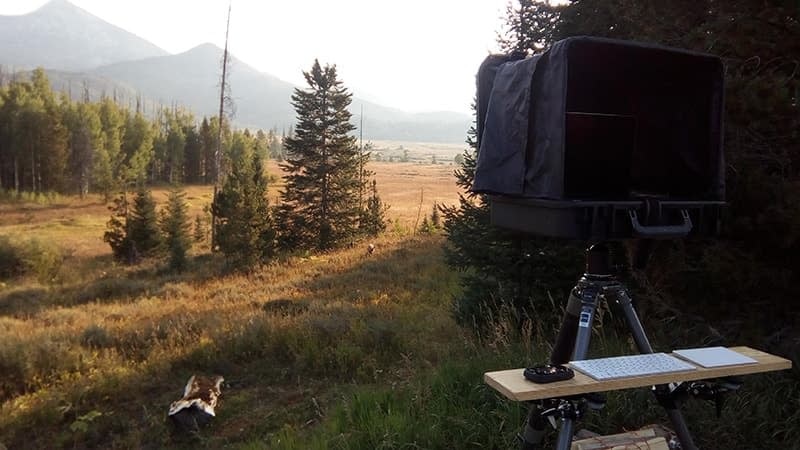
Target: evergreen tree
{"points": [[193, 159], [137, 146], [262, 145], [200, 229], [245, 232], [320, 207], [175, 147], [529, 27], [175, 228], [48, 147], [116, 234], [274, 145], [208, 143], [103, 179], [143, 229], [85, 137], [112, 123], [501, 269], [33, 139], [373, 219]]}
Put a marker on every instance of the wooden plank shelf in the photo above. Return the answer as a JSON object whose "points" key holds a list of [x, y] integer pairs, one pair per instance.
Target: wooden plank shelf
{"points": [[514, 386]]}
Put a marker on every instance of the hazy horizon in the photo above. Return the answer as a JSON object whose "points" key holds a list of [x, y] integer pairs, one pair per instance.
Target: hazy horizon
{"points": [[415, 55]]}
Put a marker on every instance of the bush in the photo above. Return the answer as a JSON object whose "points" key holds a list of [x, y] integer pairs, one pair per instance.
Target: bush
{"points": [[31, 257], [44, 260], [95, 336], [11, 263]]}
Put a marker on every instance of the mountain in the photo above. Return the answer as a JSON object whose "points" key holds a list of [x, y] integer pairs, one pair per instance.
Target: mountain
{"points": [[262, 100], [84, 54], [60, 35]]}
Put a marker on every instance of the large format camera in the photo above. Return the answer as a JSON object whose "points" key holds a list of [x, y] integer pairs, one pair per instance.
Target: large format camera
{"points": [[598, 139]]}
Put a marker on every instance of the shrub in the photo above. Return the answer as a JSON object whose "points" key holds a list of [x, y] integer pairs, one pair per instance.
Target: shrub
{"points": [[11, 263], [34, 256], [95, 336], [43, 259]]}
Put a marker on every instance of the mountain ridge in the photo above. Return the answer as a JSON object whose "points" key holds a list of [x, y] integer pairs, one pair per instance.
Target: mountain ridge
{"points": [[60, 35], [190, 78]]}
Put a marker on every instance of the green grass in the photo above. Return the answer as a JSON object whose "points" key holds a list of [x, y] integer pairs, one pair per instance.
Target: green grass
{"points": [[339, 350]]}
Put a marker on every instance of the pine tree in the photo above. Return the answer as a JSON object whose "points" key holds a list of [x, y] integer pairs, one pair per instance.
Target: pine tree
{"points": [[116, 234], [49, 152], [245, 232], [501, 269], [143, 229], [200, 229], [529, 27], [193, 161], [320, 207], [112, 124], [137, 146], [175, 147], [373, 219], [85, 137], [175, 228], [209, 145]]}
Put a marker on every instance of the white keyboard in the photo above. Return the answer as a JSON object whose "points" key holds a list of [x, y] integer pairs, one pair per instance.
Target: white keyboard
{"points": [[631, 366]]}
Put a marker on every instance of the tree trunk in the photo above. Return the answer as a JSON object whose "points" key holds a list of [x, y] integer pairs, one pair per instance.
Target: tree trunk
{"points": [[16, 175], [39, 174], [33, 171]]}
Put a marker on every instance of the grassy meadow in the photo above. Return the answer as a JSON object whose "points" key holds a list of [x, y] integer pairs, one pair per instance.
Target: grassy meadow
{"points": [[92, 352], [338, 350]]}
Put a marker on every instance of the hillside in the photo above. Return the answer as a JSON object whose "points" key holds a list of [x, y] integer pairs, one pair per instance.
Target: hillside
{"points": [[262, 100], [84, 53], [60, 35]]}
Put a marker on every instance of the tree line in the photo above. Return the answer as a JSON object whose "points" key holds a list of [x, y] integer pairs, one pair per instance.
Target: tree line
{"points": [[329, 200], [52, 143]]}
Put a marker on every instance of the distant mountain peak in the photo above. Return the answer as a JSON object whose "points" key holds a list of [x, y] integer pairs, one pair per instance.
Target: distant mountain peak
{"points": [[61, 35], [206, 46], [62, 7], [205, 49]]}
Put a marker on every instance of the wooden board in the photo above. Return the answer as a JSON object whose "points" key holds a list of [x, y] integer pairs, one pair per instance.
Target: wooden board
{"points": [[513, 385]]}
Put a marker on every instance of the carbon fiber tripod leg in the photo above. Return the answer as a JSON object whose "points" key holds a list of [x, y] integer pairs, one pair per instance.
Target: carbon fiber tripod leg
{"points": [[662, 392]]}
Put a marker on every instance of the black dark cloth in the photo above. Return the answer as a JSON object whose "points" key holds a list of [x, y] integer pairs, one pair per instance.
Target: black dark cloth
{"points": [[601, 118]]}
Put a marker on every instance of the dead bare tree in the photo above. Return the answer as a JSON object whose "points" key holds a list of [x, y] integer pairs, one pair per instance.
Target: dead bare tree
{"points": [[218, 152]]}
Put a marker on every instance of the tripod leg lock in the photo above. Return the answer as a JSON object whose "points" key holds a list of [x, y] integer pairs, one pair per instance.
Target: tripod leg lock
{"points": [[670, 396], [714, 391]]}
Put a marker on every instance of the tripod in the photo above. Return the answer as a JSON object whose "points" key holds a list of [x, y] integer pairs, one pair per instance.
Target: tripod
{"points": [[572, 343]]}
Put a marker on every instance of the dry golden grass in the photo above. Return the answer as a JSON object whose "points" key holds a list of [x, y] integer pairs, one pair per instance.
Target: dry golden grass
{"points": [[122, 340], [408, 188], [340, 317], [78, 224]]}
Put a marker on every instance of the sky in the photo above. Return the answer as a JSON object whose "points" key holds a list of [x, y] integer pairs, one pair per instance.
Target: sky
{"points": [[416, 55]]}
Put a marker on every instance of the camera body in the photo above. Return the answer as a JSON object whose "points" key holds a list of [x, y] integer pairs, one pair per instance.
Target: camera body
{"points": [[602, 139]]}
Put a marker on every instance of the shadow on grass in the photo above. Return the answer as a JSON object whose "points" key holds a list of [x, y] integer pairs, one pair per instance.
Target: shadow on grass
{"points": [[120, 286], [297, 350]]}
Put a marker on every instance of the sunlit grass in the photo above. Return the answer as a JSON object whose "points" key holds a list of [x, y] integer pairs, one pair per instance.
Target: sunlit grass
{"points": [[335, 350], [362, 318]]}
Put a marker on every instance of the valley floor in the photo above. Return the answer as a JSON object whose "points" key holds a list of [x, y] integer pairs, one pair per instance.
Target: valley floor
{"points": [[342, 350]]}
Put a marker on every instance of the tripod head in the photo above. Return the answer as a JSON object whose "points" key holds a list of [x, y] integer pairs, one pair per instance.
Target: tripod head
{"points": [[598, 261]]}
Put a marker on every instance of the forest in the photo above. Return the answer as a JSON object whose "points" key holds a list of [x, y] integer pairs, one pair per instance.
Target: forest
{"points": [[50, 143]]}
